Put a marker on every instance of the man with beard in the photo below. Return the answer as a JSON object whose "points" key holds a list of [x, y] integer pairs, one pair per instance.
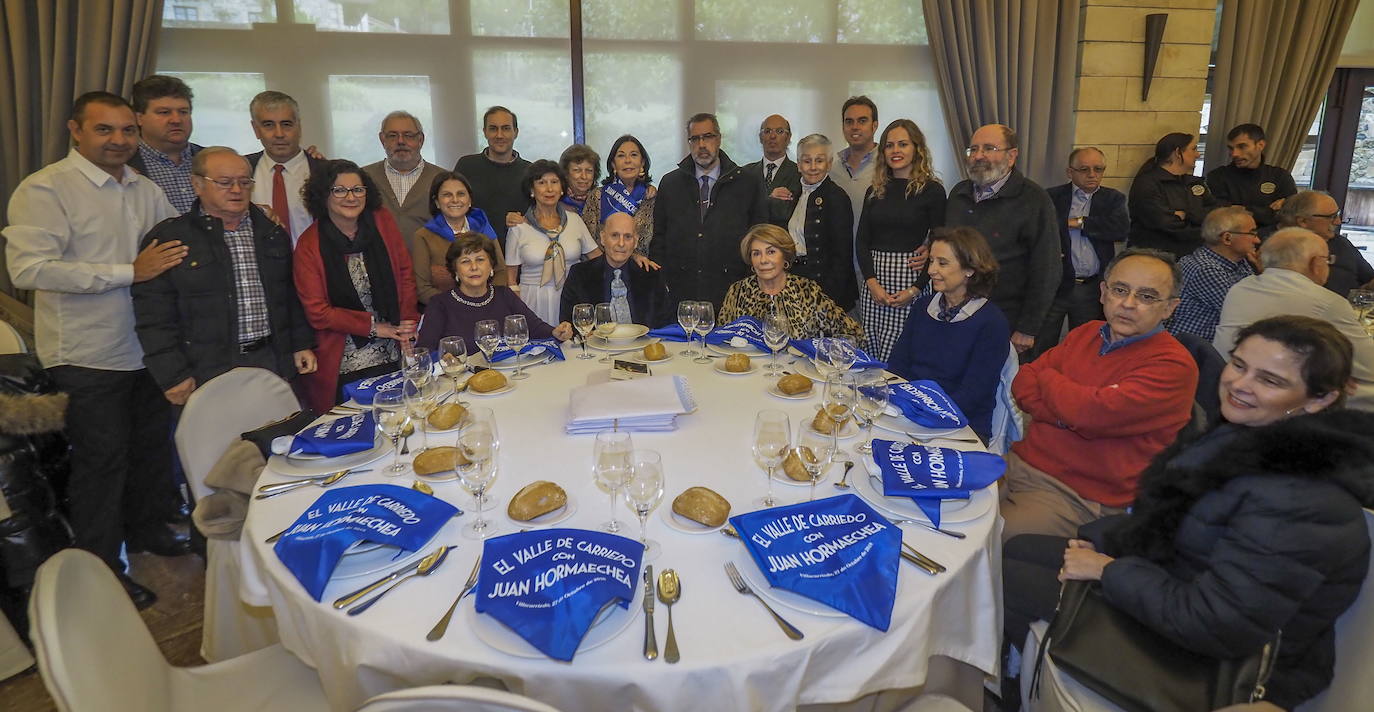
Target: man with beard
{"points": [[704, 206], [1317, 211], [497, 171], [1250, 182], [777, 174], [1020, 224], [404, 177]]}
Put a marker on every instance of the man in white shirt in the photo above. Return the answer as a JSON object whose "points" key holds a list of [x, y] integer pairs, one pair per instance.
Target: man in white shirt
{"points": [[777, 174], [73, 238], [404, 177], [278, 180], [1296, 264]]}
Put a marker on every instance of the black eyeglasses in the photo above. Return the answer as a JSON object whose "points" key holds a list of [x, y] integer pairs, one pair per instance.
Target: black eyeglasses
{"points": [[773, 132], [407, 135], [339, 191], [1095, 170]]}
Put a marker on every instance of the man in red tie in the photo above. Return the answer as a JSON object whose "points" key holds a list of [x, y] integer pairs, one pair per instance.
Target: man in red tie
{"points": [[278, 180]]}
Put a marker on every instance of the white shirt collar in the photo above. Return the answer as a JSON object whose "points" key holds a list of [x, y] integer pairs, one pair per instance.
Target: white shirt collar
{"points": [[97, 175], [292, 164]]}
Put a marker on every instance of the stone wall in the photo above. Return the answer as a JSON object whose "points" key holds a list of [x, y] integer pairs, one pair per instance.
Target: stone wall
{"points": [[1110, 114]]}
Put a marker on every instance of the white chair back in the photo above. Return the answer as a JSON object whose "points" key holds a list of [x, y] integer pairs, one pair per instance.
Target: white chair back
{"points": [[222, 409], [10, 340], [451, 698], [1352, 687], [1007, 418], [93, 650]]}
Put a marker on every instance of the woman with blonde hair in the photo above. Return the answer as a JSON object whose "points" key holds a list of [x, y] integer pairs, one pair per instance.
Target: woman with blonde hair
{"points": [[769, 251]]}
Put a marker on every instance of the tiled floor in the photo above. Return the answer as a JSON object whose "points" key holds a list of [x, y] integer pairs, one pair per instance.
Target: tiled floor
{"points": [[174, 621]]}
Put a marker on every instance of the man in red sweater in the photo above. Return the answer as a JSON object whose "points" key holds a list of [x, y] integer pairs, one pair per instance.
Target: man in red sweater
{"points": [[1100, 405]]}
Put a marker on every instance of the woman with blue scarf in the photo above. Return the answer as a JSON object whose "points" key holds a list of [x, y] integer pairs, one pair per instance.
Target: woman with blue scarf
{"points": [[627, 189], [450, 201]]}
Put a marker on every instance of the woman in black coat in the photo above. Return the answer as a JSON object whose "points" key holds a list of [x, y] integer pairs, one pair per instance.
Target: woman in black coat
{"points": [[1255, 527]]}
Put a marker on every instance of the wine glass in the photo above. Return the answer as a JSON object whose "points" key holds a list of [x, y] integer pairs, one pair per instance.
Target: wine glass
{"points": [[687, 319], [820, 357], [838, 402], [706, 320], [776, 329], [605, 326], [816, 453], [487, 334], [870, 400], [479, 447], [454, 360], [772, 438], [611, 464], [517, 334], [643, 492], [584, 320], [841, 353], [421, 399], [417, 365], [392, 416]]}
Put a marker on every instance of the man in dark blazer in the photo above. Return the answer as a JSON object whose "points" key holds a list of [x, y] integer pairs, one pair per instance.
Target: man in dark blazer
{"points": [[824, 221], [1092, 219], [277, 124], [593, 282], [778, 176], [703, 209]]}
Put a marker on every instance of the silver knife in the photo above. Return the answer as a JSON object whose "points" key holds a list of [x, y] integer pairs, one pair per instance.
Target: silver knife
{"points": [[345, 600], [650, 642]]}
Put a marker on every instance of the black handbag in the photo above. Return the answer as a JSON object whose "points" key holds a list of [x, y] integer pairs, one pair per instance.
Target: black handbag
{"points": [[1118, 657]]}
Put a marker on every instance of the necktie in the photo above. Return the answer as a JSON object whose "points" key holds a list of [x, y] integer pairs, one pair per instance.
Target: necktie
{"points": [[704, 201], [279, 204], [768, 177], [620, 303]]}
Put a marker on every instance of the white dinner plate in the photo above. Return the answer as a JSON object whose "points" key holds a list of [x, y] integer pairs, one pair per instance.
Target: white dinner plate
{"points": [[642, 359], [295, 467], [626, 333], [614, 621], [522, 361], [952, 511], [901, 426], [849, 430], [720, 368], [686, 526], [377, 560], [510, 386], [772, 390], [803, 366], [728, 350], [781, 477], [596, 343], [797, 602], [557, 516]]}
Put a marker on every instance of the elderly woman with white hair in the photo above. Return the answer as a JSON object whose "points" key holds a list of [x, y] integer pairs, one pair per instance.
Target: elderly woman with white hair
{"points": [[822, 225]]}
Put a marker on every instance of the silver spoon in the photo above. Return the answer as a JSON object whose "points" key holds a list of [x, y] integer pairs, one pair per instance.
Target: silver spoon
{"points": [[427, 566], [842, 484], [669, 590], [304, 483]]}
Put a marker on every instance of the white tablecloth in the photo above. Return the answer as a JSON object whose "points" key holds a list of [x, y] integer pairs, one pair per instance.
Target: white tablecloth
{"points": [[733, 656]]}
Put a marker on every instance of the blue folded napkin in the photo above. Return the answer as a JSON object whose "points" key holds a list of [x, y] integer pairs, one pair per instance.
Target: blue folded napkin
{"points": [[386, 514], [672, 332], [808, 348], [926, 404], [334, 438], [363, 391], [836, 550], [745, 327], [929, 474], [549, 585], [503, 352]]}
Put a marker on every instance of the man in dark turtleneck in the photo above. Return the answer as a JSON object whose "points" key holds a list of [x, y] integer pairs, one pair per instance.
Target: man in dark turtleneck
{"points": [[1248, 181]]}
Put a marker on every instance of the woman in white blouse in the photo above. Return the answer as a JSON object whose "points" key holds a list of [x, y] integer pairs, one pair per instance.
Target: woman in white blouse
{"points": [[540, 250]]}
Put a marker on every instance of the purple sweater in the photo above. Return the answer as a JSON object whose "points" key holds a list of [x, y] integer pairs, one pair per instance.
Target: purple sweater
{"points": [[446, 316]]}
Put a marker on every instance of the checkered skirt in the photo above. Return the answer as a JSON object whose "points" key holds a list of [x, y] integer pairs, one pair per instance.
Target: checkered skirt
{"points": [[884, 324]]}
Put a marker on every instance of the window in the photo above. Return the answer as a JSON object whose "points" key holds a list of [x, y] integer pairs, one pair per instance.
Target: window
{"points": [[766, 20], [185, 13], [634, 102], [218, 14], [535, 85], [392, 16], [220, 108], [358, 103], [742, 105], [531, 18]]}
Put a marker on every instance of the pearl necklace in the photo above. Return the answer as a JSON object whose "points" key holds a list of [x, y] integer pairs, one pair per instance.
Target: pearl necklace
{"points": [[491, 294]]}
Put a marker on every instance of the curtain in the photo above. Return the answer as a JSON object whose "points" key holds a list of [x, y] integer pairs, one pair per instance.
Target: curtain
{"points": [[1274, 62], [51, 52], [1010, 62]]}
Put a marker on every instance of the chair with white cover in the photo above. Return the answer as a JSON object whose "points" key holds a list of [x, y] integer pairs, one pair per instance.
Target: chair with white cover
{"points": [[451, 698], [95, 653], [1352, 686], [10, 340], [216, 413], [1008, 422]]}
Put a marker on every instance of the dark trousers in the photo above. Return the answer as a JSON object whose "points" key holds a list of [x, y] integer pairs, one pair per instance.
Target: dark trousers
{"points": [[1030, 583], [1081, 303], [117, 422]]}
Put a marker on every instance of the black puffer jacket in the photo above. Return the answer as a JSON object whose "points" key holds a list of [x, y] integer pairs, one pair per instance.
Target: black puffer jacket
{"points": [[1247, 532]]}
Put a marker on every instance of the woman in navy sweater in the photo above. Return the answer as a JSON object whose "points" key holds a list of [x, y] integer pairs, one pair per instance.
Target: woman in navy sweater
{"points": [[956, 337]]}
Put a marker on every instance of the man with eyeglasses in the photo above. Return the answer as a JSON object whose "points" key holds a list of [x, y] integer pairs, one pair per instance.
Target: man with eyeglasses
{"points": [[1092, 219], [1297, 263], [497, 172], [1248, 181], [404, 177], [704, 206], [1317, 211], [1100, 405], [162, 107], [73, 238], [278, 180], [1020, 224], [1229, 253], [232, 301], [778, 176]]}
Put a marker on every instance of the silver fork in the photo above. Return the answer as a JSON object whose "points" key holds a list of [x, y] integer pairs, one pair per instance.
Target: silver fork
{"points": [[441, 627], [738, 582]]}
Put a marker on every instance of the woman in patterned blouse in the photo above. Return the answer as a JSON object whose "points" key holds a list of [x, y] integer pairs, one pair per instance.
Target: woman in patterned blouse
{"points": [[769, 250]]}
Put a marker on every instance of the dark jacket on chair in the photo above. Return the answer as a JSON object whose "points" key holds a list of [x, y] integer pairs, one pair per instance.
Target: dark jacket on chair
{"points": [[587, 284], [1106, 224]]}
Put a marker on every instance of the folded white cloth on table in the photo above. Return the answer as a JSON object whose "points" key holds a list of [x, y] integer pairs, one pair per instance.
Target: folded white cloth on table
{"points": [[642, 404]]}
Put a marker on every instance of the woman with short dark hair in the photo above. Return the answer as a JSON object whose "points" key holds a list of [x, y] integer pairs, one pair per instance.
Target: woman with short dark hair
{"points": [[450, 204], [1167, 202], [353, 274], [627, 188], [540, 250], [582, 167]]}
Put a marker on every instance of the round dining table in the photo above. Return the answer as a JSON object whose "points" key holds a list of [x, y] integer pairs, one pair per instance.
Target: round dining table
{"points": [[733, 655]]}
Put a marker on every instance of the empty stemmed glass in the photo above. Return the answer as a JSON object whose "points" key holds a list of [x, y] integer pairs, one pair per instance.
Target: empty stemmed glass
{"points": [[475, 462], [453, 358], [838, 402], [775, 334], [605, 326], [611, 463], [390, 412], [772, 439], [643, 492], [487, 334], [706, 321], [687, 319], [517, 334], [870, 400], [816, 452], [841, 353], [421, 400], [584, 320], [417, 365], [820, 357]]}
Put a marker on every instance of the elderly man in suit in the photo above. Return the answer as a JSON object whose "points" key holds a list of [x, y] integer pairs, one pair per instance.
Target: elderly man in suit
{"points": [[778, 175], [404, 177], [636, 295]]}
